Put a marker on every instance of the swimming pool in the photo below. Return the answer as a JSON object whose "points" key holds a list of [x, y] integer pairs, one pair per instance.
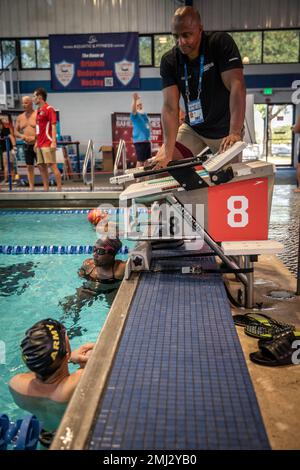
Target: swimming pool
{"points": [[34, 287]]}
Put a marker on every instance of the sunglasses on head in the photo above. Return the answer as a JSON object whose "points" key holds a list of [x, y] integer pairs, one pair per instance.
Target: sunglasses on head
{"points": [[102, 251]]}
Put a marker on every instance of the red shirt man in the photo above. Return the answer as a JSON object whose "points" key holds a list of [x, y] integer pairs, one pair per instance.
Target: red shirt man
{"points": [[46, 117], [46, 138]]}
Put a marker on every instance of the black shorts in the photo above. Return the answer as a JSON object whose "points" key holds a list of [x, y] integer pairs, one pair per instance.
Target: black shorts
{"points": [[30, 155], [143, 151]]}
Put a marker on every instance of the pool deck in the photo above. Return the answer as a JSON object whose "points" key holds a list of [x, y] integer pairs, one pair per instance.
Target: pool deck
{"points": [[178, 379], [98, 426], [73, 194]]}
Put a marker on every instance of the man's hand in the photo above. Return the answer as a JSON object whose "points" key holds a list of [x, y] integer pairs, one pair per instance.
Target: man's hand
{"points": [[53, 145], [136, 96], [160, 160], [160, 163], [81, 355], [228, 141]]}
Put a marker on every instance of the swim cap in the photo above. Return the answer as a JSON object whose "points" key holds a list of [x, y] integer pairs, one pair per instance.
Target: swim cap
{"points": [[109, 244], [95, 215], [44, 346]]}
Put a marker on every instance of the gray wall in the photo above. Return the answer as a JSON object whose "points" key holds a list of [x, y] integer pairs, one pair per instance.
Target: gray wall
{"points": [[249, 14], [29, 18]]}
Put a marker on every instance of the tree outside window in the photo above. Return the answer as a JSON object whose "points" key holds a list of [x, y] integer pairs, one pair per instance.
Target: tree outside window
{"points": [[162, 44], [281, 47], [249, 44], [42, 49], [28, 56], [145, 50], [8, 52]]}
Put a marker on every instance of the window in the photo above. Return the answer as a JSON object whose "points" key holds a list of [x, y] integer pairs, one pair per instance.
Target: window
{"points": [[162, 44], [281, 47], [28, 56], [42, 48], [145, 51], [249, 44], [34, 53], [7, 52]]}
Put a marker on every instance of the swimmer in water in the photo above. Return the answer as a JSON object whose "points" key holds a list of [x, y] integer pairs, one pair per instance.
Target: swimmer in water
{"points": [[46, 390], [103, 267], [103, 274]]}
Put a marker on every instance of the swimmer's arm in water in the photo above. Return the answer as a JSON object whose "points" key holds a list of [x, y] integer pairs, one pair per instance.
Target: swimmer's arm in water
{"points": [[81, 355], [86, 268]]}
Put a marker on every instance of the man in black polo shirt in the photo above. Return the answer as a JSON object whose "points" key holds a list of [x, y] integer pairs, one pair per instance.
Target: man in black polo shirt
{"points": [[206, 69]]}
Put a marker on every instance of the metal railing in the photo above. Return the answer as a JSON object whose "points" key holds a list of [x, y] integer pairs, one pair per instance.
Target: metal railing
{"points": [[9, 99], [121, 152], [89, 157]]}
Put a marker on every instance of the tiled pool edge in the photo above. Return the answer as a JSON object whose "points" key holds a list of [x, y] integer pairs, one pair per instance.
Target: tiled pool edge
{"points": [[78, 419]]}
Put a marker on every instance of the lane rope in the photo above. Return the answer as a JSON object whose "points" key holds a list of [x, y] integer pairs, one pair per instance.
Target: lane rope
{"points": [[52, 250], [68, 211]]}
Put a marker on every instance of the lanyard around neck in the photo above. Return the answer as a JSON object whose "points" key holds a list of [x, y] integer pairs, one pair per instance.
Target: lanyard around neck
{"points": [[201, 70]]}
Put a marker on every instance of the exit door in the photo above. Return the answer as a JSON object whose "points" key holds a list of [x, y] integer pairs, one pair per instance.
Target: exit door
{"points": [[273, 132]]}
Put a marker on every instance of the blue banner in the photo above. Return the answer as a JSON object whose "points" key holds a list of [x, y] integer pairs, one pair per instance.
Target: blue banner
{"points": [[101, 62]]}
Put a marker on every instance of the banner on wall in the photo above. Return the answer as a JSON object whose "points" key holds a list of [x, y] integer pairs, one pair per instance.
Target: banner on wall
{"points": [[122, 129], [101, 62]]}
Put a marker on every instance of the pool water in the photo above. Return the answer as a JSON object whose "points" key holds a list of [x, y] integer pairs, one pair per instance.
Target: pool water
{"points": [[34, 287], [46, 229]]}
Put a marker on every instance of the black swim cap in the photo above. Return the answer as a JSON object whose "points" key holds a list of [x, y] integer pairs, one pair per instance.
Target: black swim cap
{"points": [[44, 347], [109, 244]]}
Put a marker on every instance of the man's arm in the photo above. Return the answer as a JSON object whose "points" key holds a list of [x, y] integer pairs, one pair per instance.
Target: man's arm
{"points": [[17, 129], [170, 124], [296, 126], [135, 98], [53, 143], [235, 84]]}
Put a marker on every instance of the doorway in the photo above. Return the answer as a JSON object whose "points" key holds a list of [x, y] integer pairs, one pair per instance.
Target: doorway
{"points": [[273, 132]]}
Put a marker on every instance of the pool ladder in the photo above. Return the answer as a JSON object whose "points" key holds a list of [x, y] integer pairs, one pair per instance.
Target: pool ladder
{"points": [[89, 157], [121, 153]]}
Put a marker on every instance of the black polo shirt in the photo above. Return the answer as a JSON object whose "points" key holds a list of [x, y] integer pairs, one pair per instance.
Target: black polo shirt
{"points": [[220, 54]]}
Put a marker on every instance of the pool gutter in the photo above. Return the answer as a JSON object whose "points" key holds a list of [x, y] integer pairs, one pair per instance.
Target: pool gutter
{"points": [[56, 199], [78, 420]]}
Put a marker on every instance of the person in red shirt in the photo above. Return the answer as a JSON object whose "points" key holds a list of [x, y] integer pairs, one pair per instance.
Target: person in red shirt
{"points": [[45, 145]]}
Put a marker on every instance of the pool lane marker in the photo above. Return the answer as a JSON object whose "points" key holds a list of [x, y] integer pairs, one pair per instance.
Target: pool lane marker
{"points": [[51, 250], [68, 211]]}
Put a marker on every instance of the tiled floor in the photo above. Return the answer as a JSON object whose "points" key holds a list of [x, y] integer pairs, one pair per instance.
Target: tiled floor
{"points": [[179, 379]]}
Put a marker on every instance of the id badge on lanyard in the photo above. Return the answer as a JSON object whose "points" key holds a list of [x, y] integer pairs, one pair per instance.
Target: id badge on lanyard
{"points": [[195, 112], [194, 107]]}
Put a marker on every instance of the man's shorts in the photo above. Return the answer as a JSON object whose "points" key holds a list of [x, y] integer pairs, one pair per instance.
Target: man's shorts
{"points": [[191, 143], [143, 151], [45, 155], [30, 155]]}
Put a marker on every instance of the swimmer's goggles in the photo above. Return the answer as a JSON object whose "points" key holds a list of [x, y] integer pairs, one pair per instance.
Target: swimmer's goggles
{"points": [[103, 251]]}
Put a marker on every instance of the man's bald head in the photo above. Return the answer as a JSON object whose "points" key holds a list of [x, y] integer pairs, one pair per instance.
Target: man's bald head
{"points": [[187, 31], [187, 13], [27, 103]]}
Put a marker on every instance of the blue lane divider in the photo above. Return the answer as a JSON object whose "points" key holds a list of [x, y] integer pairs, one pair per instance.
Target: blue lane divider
{"points": [[51, 250], [67, 211]]}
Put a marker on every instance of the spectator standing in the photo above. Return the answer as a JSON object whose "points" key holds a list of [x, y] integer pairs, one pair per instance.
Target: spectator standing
{"points": [[140, 131], [25, 130], [46, 138]]}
